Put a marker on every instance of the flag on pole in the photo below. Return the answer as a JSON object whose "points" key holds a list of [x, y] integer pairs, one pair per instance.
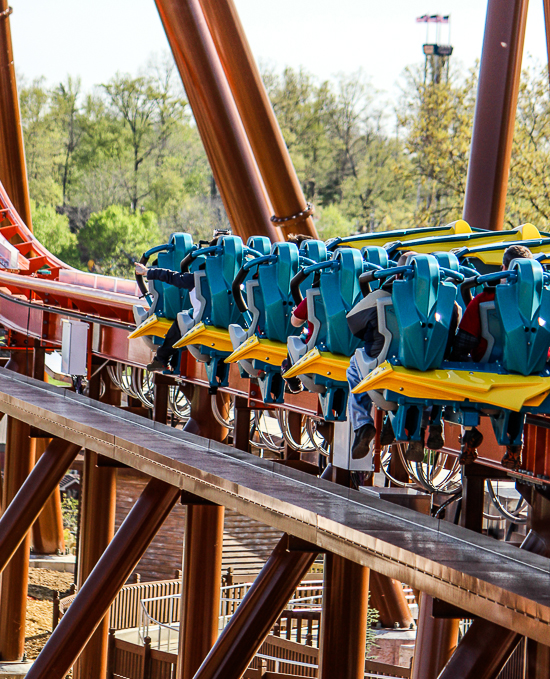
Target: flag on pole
{"points": [[433, 19]]}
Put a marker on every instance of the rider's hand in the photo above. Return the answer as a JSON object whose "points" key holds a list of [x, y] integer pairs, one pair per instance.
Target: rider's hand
{"points": [[141, 269]]}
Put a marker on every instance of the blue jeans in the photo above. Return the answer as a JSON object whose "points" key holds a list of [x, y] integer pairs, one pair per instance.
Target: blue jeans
{"points": [[359, 405]]}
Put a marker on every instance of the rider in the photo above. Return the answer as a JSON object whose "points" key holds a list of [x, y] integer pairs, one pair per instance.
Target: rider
{"points": [[469, 343], [166, 353]]}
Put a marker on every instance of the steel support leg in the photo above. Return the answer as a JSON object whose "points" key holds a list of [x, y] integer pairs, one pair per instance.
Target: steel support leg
{"points": [[259, 120], [538, 660], [201, 421], [13, 605], [344, 619], [217, 117], [96, 532], [486, 646], [200, 601], [495, 112], [35, 491], [202, 556], [241, 432], [436, 640], [256, 615], [20, 452], [47, 530], [13, 171], [473, 486], [104, 582], [388, 598]]}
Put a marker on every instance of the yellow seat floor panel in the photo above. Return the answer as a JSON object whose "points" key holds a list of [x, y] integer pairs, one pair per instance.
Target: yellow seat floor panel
{"points": [[261, 349], [152, 326], [206, 336], [504, 391], [323, 363]]}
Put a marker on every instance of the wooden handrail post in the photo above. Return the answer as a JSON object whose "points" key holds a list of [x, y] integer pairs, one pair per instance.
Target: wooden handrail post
{"points": [[55, 613]]}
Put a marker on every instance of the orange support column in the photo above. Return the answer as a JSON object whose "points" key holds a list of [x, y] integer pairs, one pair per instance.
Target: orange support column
{"points": [[202, 556], [217, 118], [292, 212], [495, 114], [13, 170], [97, 531], [18, 464], [344, 619], [47, 530]]}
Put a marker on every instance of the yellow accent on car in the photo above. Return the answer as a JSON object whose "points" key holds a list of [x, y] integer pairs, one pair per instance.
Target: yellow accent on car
{"points": [[152, 326], [458, 227], [504, 391], [320, 363], [206, 336], [262, 349]]}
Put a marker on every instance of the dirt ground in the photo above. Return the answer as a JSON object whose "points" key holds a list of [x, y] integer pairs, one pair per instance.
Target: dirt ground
{"points": [[43, 583]]}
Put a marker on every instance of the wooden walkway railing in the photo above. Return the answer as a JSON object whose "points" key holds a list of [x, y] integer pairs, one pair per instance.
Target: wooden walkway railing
{"points": [[124, 612], [285, 660]]}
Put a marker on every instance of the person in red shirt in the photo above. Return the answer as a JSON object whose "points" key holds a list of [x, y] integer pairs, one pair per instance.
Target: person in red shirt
{"points": [[469, 343]]}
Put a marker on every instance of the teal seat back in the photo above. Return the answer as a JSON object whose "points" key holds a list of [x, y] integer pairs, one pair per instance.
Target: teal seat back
{"points": [[339, 292], [173, 300], [448, 260], [220, 270], [261, 244], [272, 295], [378, 256], [523, 305], [316, 250], [423, 306]]}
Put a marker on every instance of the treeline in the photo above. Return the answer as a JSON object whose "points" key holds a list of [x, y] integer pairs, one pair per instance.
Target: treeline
{"points": [[116, 170]]}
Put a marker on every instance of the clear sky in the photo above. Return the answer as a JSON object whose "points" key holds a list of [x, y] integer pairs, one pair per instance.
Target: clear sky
{"points": [[54, 38]]}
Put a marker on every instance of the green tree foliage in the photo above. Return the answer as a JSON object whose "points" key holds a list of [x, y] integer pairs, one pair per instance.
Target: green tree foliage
{"points": [[52, 230], [529, 186], [114, 238], [437, 120], [129, 154]]}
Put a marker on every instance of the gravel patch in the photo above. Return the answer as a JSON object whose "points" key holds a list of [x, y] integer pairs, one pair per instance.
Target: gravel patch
{"points": [[43, 583]]}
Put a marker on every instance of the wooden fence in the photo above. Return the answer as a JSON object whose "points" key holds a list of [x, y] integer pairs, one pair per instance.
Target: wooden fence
{"points": [[286, 660], [299, 625], [124, 611]]}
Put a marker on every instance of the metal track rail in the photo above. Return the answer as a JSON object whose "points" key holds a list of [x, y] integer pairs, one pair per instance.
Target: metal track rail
{"points": [[489, 578]]}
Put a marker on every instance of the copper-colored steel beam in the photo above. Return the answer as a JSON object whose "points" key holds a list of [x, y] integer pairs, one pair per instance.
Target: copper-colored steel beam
{"points": [[201, 420], [482, 652], [103, 584], [200, 601], [13, 170], [47, 530], [486, 646], [18, 464], [538, 660], [388, 598], [260, 123], [436, 640], [344, 619], [97, 531], [218, 120], [257, 613], [32, 495], [495, 112], [202, 556]]}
